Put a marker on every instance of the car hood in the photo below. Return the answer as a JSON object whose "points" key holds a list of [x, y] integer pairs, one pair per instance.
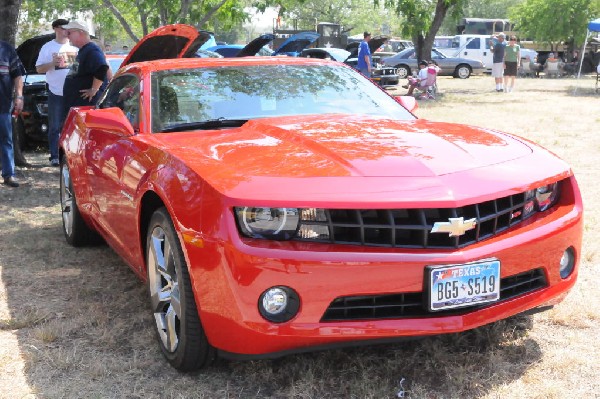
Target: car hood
{"points": [[168, 42], [340, 146], [29, 50], [337, 54], [374, 44], [296, 43], [255, 45]]}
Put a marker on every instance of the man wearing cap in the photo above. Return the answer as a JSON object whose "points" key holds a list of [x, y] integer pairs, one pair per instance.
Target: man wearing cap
{"points": [[87, 77], [54, 60], [11, 86], [364, 56], [497, 45]]}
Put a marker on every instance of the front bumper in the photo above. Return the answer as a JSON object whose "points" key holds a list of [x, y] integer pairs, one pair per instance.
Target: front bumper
{"points": [[230, 275]]}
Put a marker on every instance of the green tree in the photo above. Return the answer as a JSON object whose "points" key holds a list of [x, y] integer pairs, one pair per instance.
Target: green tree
{"points": [[498, 9], [423, 20], [356, 16], [537, 19], [138, 17]]}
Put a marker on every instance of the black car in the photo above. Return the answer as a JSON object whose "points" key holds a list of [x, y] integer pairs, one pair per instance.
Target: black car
{"points": [[31, 126], [382, 75]]}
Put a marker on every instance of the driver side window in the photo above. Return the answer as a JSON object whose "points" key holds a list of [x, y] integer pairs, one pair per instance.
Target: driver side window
{"points": [[124, 92]]}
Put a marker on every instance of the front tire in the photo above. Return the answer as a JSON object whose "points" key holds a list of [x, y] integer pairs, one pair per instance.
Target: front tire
{"points": [[403, 71], [180, 333], [462, 71], [77, 232]]}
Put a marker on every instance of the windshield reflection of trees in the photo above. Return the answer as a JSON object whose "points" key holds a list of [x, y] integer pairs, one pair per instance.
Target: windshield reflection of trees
{"points": [[250, 92]]}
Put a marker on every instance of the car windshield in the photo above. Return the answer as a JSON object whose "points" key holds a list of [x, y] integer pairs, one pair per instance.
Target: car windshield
{"points": [[189, 99]]}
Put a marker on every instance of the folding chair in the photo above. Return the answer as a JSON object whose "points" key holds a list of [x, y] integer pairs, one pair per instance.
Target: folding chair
{"points": [[429, 90]]}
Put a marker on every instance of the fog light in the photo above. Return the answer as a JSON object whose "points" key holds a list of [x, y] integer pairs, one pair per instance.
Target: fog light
{"points": [[567, 263], [44, 127], [279, 304]]}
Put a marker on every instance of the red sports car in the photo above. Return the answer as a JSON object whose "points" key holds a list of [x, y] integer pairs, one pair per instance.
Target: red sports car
{"points": [[276, 204]]}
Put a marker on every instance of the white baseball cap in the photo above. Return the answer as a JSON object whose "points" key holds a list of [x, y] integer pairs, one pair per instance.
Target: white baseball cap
{"points": [[76, 25]]}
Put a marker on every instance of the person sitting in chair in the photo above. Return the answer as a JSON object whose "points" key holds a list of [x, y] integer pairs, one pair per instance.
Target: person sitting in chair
{"points": [[420, 80]]}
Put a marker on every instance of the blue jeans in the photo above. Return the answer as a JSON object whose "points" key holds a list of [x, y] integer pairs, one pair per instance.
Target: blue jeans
{"points": [[55, 122], [6, 146], [365, 71]]}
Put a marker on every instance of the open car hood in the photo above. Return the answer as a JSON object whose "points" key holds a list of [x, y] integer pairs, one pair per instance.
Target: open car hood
{"points": [[29, 50], [255, 45], [374, 44], [296, 43], [168, 42]]}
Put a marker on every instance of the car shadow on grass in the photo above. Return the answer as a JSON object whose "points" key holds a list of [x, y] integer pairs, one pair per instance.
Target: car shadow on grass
{"points": [[84, 329]]}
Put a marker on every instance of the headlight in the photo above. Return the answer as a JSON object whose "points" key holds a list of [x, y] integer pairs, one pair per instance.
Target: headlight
{"points": [[269, 223], [541, 199], [546, 196], [42, 108]]}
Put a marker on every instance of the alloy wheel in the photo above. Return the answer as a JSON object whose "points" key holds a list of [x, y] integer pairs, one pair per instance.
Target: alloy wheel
{"points": [[164, 289]]}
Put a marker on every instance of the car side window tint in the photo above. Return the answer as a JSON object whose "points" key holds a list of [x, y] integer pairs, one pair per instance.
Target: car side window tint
{"points": [[124, 92], [474, 44]]}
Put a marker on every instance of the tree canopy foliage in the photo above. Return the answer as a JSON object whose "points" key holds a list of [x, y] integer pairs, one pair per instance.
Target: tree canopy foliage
{"points": [[139, 17], [554, 20], [424, 19]]}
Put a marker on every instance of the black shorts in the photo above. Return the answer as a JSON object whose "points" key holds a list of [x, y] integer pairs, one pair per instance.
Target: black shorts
{"points": [[511, 68]]}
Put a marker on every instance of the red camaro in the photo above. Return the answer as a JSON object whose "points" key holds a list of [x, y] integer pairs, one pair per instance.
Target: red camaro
{"points": [[276, 205]]}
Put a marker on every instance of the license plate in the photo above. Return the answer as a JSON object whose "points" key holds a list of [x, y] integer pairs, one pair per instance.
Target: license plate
{"points": [[456, 286]]}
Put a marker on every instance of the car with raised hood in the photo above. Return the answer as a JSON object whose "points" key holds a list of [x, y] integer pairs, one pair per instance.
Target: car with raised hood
{"points": [[382, 75], [292, 46], [406, 63], [31, 125], [276, 205]]}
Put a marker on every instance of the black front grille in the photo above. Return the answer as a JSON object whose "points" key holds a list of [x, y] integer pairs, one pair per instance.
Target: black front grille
{"points": [[410, 305], [411, 228]]}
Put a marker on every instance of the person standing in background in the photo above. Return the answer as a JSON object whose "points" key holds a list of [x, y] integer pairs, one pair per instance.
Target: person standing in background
{"points": [[54, 60], [11, 85], [87, 77], [497, 45], [512, 60], [364, 56]]}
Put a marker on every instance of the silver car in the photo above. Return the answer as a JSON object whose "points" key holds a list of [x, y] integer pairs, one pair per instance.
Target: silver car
{"points": [[406, 63]]}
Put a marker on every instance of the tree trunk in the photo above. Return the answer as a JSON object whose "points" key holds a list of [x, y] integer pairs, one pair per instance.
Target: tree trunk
{"points": [[9, 14]]}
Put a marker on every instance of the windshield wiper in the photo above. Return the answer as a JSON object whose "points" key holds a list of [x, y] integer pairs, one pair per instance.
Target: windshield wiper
{"points": [[206, 124]]}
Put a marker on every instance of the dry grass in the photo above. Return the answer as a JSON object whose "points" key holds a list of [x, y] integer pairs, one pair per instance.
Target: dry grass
{"points": [[74, 322]]}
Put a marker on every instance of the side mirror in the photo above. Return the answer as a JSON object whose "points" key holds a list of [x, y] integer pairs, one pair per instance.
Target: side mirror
{"points": [[110, 120], [408, 102]]}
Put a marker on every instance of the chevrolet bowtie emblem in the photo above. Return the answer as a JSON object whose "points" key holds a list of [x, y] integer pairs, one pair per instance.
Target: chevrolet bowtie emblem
{"points": [[456, 227]]}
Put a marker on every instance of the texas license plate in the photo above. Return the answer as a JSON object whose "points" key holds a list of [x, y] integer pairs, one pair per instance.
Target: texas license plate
{"points": [[456, 286]]}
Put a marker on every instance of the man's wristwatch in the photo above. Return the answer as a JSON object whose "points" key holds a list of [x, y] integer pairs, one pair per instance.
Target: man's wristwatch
{"points": [[18, 97]]}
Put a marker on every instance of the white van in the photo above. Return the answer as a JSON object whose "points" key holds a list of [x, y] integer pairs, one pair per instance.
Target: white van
{"points": [[472, 46]]}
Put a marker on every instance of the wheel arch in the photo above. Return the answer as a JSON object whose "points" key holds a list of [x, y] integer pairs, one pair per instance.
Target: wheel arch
{"points": [[149, 203]]}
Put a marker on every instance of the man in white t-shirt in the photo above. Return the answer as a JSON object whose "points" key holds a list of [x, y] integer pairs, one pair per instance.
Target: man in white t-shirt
{"points": [[55, 58]]}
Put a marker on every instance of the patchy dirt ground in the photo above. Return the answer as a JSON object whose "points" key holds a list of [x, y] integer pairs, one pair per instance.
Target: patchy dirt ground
{"points": [[74, 323]]}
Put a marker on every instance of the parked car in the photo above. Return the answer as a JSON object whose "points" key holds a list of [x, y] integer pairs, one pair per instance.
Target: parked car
{"points": [[384, 76], [31, 125], [292, 46], [406, 64], [278, 205]]}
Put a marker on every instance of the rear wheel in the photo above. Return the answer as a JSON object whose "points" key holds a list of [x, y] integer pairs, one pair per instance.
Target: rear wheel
{"points": [[462, 71], [77, 232], [180, 333], [403, 71]]}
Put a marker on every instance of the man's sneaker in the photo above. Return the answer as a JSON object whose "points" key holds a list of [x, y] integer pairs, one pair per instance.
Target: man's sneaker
{"points": [[11, 181], [54, 162]]}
